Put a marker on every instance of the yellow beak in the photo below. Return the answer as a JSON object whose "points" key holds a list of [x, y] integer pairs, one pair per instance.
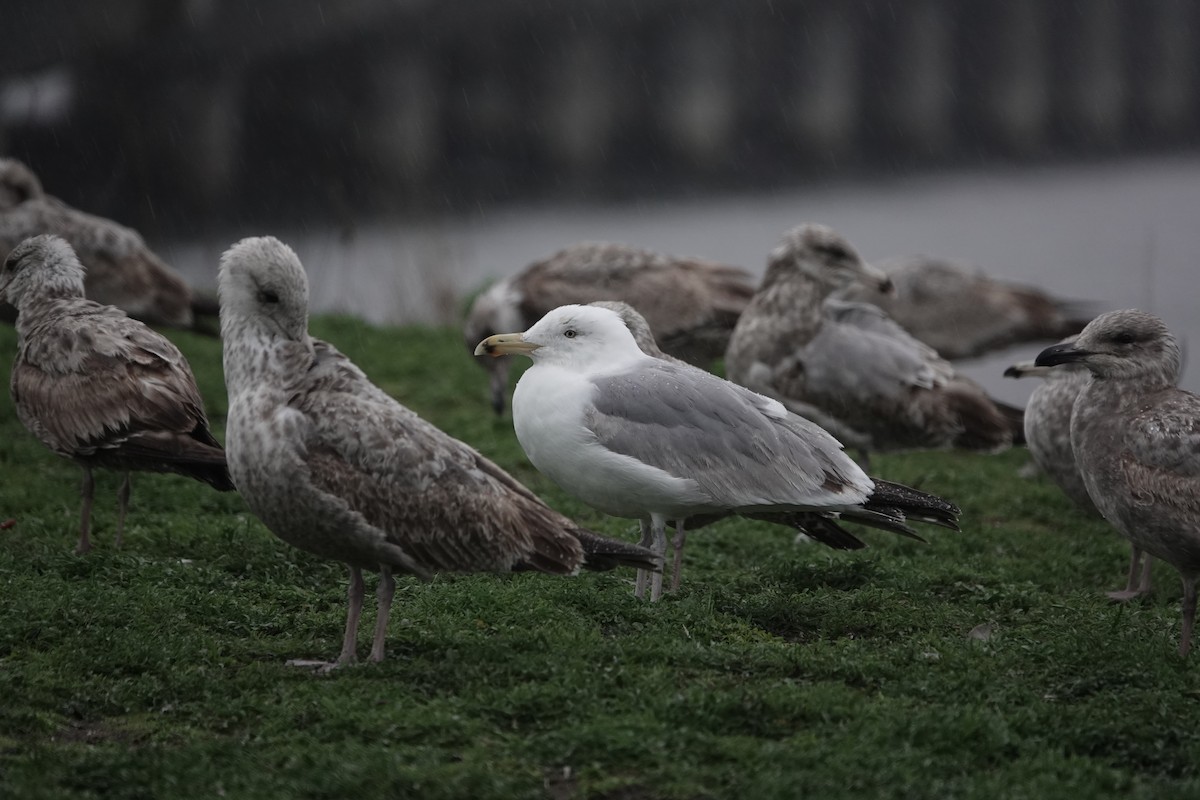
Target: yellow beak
{"points": [[504, 344]]}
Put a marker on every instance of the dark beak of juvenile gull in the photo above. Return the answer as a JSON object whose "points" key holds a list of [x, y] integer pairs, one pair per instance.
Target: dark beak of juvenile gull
{"points": [[1024, 369], [505, 344], [1060, 354], [873, 276]]}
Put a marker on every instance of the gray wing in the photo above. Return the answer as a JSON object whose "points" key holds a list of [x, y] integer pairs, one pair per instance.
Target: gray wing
{"points": [[437, 498], [734, 443], [859, 352]]}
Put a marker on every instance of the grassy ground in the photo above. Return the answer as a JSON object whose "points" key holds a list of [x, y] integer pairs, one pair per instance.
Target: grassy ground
{"points": [[777, 671]]}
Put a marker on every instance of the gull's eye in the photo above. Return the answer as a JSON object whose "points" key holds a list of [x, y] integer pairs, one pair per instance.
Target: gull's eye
{"points": [[1124, 337], [267, 296], [570, 333]]}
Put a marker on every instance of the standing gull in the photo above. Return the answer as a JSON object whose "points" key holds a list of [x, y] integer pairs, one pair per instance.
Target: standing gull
{"points": [[636, 436], [690, 304], [120, 269], [812, 525], [335, 466], [847, 366], [97, 387], [1137, 441], [961, 312]]}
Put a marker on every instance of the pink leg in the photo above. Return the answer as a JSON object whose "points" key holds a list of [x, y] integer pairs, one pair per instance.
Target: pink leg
{"points": [[1189, 614], [1138, 582], [639, 586], [122, 506], [355, 596], [86, 490], [387, 590], [677, 543]]}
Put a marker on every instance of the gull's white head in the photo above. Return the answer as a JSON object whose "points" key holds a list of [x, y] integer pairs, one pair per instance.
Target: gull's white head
{"points": [[585, 338], [42, 266], [262, 288]]}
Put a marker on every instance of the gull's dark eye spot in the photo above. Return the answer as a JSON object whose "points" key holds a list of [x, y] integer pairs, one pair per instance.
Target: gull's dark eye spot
{"points": [[267, 296], [1124, 337], [570, 333]]}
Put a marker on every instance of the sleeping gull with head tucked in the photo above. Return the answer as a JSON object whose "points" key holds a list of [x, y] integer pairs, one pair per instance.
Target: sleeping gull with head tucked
{"points": [[98, 387], [691, 304], [960, 311], [848, 366], [335, 466], [636, 436], [1136, 438], [120, 269]]}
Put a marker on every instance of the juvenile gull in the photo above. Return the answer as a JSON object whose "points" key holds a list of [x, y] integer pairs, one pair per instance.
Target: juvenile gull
{"points": [[961, 312], [849, 367], [335, 466], [120, 269], [1136, 438], [691, 304], [97, 387], [637, 436]]}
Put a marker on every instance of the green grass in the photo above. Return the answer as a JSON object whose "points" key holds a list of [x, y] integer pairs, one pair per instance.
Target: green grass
{"points": [[778, 671]]}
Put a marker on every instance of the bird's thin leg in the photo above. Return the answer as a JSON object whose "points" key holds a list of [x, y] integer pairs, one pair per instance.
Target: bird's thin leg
{"points": [[122, 506], [1138, 581], [86, 490], [387, 590], [355, 596], [677, 543], [1144, 585], [658, 527], [639, 586], [1189, 614]]}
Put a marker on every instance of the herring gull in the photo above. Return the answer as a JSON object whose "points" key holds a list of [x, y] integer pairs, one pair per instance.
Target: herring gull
{"points": [[961, 312], [1136, 438], [848, 366], [333, 465], [637, 436], [98, 387], [120, 269], [691, 304]]}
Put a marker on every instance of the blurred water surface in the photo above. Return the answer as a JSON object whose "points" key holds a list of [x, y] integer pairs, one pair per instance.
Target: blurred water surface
{"points": [[1121, 234]]}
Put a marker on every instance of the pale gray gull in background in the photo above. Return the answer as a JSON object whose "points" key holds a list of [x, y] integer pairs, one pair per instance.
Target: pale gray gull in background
{"points": [[850, 368], [638, 436], [961, 312], [335, 466], [1137, 441], [120, 269], [98, 387], [813, 526], [691, 304]]}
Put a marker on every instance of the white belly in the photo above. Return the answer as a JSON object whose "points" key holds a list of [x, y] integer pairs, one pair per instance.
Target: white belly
{"points": [[549, 415]]}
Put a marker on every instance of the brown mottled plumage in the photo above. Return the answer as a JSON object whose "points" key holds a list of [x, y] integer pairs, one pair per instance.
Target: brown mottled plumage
{"points": [[961, 312], [335, 466], [98, 387], [1137, 441], [120, 269], [847, 366], [690, 304]]}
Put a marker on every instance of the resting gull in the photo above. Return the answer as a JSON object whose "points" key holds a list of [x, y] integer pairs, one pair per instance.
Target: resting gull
{"points": [[849, 367], [691, 304], [637, 436], [961, 312], [335, 466], [98, 387], [1136, 438], [121, 270]]}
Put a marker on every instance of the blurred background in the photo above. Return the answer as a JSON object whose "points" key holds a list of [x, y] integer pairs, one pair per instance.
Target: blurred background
{"points": [[412, 150]]}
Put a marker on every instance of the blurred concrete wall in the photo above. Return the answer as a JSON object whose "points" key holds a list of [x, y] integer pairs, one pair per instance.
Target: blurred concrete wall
{"points": [[170, 113]]}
